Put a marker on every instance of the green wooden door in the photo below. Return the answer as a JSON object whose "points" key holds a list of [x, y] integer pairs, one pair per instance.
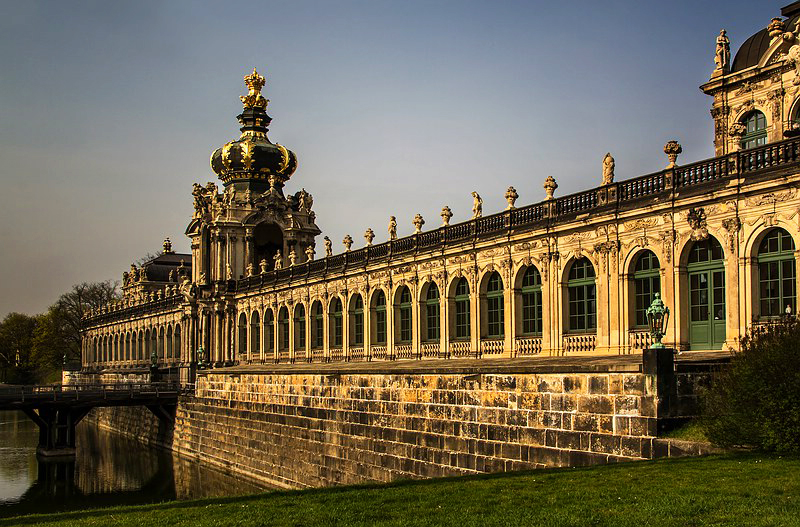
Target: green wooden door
{"points": [[706, 296]]}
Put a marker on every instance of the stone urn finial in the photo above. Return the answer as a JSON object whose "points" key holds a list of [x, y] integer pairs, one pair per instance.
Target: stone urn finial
{"points": [[348, 242], [446, 215], [511, 197], [776, 27], [672, 149], [369, 235], [550, 187], [418, 223]]}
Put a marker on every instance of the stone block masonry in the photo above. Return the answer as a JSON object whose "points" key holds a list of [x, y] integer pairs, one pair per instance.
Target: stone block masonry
{"points": [[341, 425]]}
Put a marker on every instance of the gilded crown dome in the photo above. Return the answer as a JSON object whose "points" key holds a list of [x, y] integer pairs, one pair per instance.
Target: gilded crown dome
{"points": [[252, 158]]}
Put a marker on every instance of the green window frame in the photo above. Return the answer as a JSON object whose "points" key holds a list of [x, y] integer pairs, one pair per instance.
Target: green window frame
{"points": [[495, 316], [300, 327], [432, 313], [777, 274], [531, 293], [255, 334], [318, 327], [582, 297], [358, 321], [269, 323], [380, 318], [283, 328], [755, 124], [405, 315], [336, 323], [461, 304], [646, 283]]}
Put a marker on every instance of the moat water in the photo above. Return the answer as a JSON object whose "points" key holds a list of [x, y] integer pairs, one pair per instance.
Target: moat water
{"points": [[108, 470]]}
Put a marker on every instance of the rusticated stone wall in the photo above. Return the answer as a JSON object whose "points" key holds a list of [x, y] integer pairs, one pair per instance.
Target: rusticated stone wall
{"points": [[324, 426]]}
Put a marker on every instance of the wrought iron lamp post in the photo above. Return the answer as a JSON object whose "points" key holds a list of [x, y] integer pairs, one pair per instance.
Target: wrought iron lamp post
{"points": [[657, 317], [201, 358]]}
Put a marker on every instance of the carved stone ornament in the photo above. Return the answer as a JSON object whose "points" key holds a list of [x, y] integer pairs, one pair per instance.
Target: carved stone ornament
{"points": [[732, 226], [550, 187], [697, 222], [737, 130], [793, 59], [418, 223], [446, 215], [369, 235], [511, 197], [672, 149], [347, 242], [776, 27]]}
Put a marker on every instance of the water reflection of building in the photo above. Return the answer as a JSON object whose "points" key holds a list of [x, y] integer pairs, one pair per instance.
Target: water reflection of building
{"points": [[564, 276]]}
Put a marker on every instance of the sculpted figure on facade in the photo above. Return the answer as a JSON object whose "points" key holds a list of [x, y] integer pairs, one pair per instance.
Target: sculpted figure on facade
{"points": [[511, 197], [418, 223], [696, 218], [292, 257], [250, 269], [477, 205], [608, 169], [793, 59], [392, 228], [263, 265], [310, 253], [446, 215], [278, 260], [722, 55], [328, 247], [228, 272]]}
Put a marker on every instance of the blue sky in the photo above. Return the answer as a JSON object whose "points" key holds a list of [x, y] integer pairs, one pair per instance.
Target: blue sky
{"points": [[110, 111]]}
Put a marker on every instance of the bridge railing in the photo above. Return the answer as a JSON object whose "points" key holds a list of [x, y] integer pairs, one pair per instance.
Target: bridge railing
{"points": [[75, 391]]}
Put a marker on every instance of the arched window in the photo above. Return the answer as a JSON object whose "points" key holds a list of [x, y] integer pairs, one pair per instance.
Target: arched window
{"points": [[142, 354], [317, 326], [495, 316], [357, 317], [432, 309], [531, 293], [755, 130], [461, 311], [646, 283], [404, 311], [283, 330], [582, 295], [176, 350], [269, 333], [242, 335], [776, 274], [169, 343], [706, 273], [300, 327], [128, 346], [380, 318], [161, 350], [335, 327], [255, 335]]}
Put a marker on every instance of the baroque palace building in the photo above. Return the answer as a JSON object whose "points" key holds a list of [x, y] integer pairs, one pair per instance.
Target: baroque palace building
{"points": [[717, 239]]}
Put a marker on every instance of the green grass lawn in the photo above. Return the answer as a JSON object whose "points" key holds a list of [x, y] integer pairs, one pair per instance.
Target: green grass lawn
{"points": [[737, 489]]}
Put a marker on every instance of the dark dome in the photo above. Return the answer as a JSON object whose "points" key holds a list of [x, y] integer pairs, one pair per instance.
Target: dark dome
{"points": [[253, 156], [754, 47]]}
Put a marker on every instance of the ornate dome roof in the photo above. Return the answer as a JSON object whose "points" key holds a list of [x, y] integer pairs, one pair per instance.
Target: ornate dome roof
{"points": [[253, 157], [754, 47]]}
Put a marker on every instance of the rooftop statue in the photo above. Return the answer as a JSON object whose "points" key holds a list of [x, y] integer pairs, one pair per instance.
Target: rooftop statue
{"points": [[608, 169], [477, 205], [722, 55]]}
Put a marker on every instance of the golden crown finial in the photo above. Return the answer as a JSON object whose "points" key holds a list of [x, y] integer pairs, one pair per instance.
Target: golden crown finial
{"points": [[254, 83]]}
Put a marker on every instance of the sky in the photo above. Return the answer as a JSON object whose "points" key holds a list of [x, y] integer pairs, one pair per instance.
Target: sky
{"points": [[109, 111]]}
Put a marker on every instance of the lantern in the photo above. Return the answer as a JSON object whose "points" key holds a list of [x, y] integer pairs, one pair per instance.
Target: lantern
{"points": [[657, 317]]}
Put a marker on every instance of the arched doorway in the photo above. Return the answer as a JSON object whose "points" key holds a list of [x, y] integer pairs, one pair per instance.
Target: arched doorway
{"points": [[706, 272], [267, 241]]}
